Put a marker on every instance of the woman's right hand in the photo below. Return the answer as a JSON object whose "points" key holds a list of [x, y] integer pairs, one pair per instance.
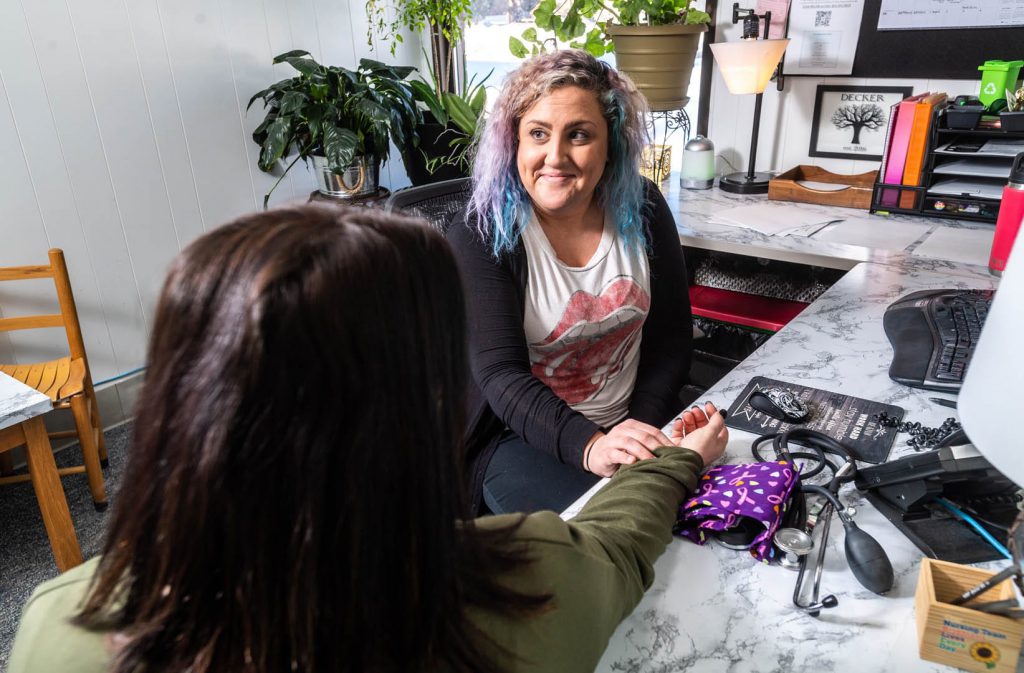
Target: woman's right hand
{"points": [[707, 435], [625, 444]]}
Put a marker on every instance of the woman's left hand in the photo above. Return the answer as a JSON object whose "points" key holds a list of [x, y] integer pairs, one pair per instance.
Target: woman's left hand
{"points": [[693, 418]]}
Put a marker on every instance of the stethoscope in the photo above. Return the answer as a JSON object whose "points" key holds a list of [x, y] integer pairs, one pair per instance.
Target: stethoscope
{"points": [[866, 558]]}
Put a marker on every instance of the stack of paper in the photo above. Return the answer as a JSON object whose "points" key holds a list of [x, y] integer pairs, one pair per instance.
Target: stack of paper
{"points": [[773, 219], [874, 233], [971, 246]]}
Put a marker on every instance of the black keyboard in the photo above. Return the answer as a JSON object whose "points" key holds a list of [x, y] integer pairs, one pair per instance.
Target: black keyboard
{"points": [[933, 333]]}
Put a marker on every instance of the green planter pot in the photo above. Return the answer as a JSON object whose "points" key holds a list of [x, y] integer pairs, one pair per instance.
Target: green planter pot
{"points": [[659, 59]]}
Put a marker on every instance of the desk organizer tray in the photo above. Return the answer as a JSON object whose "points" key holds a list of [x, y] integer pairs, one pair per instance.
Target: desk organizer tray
{"points": [[811, 184], [956, 635], [847, 419]]}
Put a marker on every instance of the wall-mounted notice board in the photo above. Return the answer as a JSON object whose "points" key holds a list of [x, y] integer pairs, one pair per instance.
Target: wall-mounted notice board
{"points": [[930, 54]]}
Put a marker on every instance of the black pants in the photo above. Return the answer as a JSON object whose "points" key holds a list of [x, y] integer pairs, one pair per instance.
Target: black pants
{"points": [[520, 478]]}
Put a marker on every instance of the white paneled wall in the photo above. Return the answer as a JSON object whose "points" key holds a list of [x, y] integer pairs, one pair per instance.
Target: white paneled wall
{"points": [[785, 132], [124, 136]]}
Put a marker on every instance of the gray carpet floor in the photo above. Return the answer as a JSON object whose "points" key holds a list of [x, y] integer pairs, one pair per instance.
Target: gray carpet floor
{"points": [[25, 557]]}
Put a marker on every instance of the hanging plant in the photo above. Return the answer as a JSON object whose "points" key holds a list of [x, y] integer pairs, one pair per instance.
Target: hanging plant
{"points": [[567, 22]]}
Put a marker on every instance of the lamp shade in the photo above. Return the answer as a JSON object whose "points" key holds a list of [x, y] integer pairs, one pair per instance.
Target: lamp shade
{"points": [[747, 65], [991, 400]]}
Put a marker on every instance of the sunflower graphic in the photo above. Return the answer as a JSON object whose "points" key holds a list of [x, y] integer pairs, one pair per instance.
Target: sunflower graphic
{"points": [[986, 653]]}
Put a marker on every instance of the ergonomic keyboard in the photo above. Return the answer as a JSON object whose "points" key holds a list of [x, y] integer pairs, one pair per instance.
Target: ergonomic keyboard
{"points": [[933, 333]]}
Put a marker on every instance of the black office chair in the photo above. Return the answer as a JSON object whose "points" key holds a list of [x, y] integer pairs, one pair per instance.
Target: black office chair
{"points": [[438, 203]]}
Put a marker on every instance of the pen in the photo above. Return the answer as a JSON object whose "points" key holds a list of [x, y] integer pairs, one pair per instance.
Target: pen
{"points": [[944, 402], [997, 607], [981, 588]]}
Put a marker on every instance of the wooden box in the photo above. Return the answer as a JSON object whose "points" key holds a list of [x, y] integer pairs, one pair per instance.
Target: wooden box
{"points": [[851, 191], [956, 635]]}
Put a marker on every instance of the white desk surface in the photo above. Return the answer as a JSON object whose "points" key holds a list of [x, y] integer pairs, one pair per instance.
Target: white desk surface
{"points": [[693, 208], [712, 609], [19, 403]]}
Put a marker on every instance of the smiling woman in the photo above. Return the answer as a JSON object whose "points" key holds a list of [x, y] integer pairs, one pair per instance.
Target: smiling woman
{"points": [[563, 149], [576, 288]]}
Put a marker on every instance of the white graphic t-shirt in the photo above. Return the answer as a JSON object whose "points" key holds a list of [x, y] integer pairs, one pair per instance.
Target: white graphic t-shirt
{"points": [[583, 324]]}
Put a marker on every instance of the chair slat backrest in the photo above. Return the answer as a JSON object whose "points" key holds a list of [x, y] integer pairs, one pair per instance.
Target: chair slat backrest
{"points": [[68, 316], [25, 272], [31, 322]]}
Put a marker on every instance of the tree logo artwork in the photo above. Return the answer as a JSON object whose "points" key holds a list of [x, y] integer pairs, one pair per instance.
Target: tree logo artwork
{"points": [[858, 116]]}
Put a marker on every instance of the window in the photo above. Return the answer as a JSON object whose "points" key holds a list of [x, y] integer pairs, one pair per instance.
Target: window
{"points": [[487, 51]]}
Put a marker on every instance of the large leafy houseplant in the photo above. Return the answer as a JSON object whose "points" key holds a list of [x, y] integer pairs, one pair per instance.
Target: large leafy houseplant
{"points": [[336, 113], [584, 23]]}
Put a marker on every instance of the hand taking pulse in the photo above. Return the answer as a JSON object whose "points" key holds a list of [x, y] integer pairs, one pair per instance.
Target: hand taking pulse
{"points": [[630, 441], [626, 443]]}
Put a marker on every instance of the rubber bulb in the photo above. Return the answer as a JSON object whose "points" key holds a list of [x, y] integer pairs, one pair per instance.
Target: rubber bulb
{"points": [[868, 560]]}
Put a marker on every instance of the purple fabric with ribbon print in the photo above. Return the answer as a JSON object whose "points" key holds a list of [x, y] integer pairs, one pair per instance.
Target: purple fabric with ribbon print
{"points": [[725, 493]]}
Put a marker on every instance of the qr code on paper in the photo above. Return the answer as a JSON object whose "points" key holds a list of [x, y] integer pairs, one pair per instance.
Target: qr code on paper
{"points": [[823, 18]]}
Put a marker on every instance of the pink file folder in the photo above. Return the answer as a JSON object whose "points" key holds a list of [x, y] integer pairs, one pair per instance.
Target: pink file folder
{"points": [[901, 140]]}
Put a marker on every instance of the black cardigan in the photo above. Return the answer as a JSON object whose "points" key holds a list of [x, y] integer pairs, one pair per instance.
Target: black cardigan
{"points": [[506, 394]]}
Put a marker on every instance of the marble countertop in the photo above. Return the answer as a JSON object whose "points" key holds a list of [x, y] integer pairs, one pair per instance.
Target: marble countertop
{"points": [[19, 402], [694, 208], [712, 609]]}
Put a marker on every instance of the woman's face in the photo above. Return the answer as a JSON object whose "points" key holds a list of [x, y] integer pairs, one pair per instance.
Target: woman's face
{"points": [[563, 149]]}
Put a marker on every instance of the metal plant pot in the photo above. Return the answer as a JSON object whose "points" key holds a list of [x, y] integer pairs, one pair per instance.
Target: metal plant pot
{"points": [[360, 179], [659, 60]]}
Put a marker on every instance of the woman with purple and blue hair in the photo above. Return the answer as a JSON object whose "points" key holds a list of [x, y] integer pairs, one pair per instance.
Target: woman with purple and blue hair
{"points": [[579, 316]]}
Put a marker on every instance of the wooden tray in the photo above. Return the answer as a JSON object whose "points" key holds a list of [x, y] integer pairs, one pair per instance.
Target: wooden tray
{"points": [[956, 635], [857, 192]]}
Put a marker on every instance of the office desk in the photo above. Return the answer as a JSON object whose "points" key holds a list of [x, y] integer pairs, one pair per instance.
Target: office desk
{"points": [[694, 208], [712, 609]]}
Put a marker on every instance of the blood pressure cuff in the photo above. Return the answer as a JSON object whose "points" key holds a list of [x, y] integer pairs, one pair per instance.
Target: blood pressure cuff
{"points": [[753, 496]]}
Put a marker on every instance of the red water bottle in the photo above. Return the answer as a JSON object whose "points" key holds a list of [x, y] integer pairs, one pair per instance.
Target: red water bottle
{"points": [[1011, 212]]}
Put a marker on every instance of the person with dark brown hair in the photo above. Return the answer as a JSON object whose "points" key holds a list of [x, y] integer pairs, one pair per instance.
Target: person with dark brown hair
{"points": [[293, 498]]}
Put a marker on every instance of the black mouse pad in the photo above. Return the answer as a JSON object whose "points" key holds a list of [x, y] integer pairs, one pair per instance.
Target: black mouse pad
{"points": [[850, 420]]}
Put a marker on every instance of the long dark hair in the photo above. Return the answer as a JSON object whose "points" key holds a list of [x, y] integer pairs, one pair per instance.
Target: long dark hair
{"points": [[293, 498]]}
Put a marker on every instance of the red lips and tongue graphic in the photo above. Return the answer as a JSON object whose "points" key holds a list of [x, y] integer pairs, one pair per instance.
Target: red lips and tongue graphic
{"points": [[590, 342]]}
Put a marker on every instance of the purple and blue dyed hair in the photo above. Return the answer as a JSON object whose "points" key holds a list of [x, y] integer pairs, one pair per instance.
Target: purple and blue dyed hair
{"points": [[500, 202]]}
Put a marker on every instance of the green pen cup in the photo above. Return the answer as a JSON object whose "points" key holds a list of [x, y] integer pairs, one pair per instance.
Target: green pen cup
{"points": [[996, 78]]}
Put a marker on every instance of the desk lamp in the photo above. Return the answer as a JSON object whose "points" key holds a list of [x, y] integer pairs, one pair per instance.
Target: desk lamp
{"points": [[747, 66], [990, 400]]}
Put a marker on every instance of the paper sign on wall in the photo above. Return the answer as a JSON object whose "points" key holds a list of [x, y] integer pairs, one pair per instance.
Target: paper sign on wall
{"points": [[780, 11], [824, 35], [949, 14]]}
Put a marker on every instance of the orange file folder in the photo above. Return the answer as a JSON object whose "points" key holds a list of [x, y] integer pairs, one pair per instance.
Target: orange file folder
{"points": [[918, 144]]}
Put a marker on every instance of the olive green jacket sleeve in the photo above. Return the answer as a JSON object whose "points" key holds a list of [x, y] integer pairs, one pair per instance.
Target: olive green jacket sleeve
{"points": [[597, 566]]}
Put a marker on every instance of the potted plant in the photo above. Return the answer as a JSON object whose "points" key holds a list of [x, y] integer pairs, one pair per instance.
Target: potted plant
{"points": [[450, 121], [1012, 118], [341, 119], [443, 18], [655, 41]]}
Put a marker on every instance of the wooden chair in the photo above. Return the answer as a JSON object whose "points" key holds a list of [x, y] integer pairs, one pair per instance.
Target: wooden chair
{"points": [[66, 381]]}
